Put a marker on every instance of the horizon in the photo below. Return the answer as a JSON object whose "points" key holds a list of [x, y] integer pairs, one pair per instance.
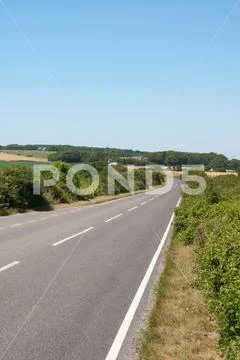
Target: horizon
{"points": [[131, 149]]}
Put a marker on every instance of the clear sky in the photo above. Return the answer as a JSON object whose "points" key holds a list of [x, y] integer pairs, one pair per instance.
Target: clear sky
{"points": [[121, 73]]}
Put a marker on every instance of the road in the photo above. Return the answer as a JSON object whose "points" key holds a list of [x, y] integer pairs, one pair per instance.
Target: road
{"points": [[73, 281]]}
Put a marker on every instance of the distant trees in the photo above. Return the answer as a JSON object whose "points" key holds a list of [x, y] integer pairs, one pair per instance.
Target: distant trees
{"points": [[69, 156], [74, 154]]}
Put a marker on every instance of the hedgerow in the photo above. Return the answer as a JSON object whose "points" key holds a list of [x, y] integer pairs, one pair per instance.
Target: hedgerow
{"points": [[16, 186], [212, 221]]}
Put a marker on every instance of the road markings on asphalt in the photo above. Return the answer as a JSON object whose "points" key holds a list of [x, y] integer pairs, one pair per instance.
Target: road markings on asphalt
{"points": [[151, 199], [30, 221], [134, 208], [143, 203], [113, 218], [9, 266], [2, 228], [16, 225], [179, 202], [72, 237], [122, 332]]}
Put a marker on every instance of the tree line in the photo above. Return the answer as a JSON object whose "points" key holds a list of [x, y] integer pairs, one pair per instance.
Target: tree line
{"points": [[73, 154]]}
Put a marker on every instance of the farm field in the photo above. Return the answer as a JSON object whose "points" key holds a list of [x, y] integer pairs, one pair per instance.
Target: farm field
{"points": [[24, 155], [6, 164]]}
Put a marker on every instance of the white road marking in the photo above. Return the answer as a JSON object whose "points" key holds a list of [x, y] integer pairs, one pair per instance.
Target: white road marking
{"points": [[151, 199], [135, 207], [9, 266], [30, 221], [113, 218], [122, 332], [16, 225], [143, 203], [72, 237], [179, 202], [2, 228]]}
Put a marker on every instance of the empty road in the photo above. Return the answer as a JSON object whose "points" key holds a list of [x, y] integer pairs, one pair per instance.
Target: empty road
{"points": [[74, 282]]}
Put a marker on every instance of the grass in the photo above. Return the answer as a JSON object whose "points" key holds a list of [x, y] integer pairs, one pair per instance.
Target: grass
{"points": [[180, 326], [6, 164]]}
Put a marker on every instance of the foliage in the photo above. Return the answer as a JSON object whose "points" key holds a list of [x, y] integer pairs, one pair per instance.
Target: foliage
{"points": [[212, 220], [212, 160], [16, 186]]}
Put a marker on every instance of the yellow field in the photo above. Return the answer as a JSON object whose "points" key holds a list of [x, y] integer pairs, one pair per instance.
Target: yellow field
{"points": [[15, 157]]}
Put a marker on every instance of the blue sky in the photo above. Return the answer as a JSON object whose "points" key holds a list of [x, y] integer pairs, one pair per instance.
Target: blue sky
{"points": [[119, 74]]}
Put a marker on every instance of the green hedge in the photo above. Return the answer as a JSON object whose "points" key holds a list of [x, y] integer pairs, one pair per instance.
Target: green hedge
{"points": [[16, 186], [212, 220]]}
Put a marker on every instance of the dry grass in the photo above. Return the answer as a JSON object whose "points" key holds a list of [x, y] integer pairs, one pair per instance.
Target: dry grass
{"points": [[210, 174], [180, 326], [15, 157]]}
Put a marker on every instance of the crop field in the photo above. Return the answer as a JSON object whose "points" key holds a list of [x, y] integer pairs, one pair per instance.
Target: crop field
{"points": [[29, 153], [6, 164], [24, 155]]}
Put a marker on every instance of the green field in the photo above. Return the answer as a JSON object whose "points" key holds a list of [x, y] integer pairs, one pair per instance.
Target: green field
{"points": [[6, 164]]}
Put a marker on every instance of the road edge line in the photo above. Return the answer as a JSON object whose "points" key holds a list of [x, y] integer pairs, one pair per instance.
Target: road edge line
{"points": [[122, 332]]}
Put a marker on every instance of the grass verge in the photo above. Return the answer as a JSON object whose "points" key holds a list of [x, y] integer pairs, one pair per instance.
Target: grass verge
{"points": [[180, 327]]}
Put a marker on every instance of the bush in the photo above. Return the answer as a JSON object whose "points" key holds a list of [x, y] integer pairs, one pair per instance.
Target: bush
{"points": [[212, 220]]}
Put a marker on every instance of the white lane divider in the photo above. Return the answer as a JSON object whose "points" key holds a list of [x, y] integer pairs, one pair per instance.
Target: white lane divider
{"points": [[72, 237], [29, 222], [134, 208], [113, 218], [122, 332], [151, 199], [143, 203], [15, 225], [9, 266]]}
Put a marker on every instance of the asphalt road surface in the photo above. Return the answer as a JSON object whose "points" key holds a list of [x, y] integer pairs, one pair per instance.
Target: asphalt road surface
{"points": [[72, 281]]}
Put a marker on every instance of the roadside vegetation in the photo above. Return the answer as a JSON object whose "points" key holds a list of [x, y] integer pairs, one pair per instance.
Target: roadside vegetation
{"points": [[16, 187], [197, 309]]}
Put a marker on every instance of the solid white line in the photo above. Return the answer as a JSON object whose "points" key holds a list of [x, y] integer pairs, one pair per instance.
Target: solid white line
{"points": [[72, 237], [122, 332], [135, 207], [9, 266], [113, 218], [143, 203], [179, 202]]}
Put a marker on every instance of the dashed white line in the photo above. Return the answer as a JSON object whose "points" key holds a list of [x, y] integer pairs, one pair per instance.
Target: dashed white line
{"points": [[16, 225], [30, 221], [2, 228], [122, 332], [135, 207], [113, 218], [151, 199], [143, 203], [9, 266], [72, 237]]}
